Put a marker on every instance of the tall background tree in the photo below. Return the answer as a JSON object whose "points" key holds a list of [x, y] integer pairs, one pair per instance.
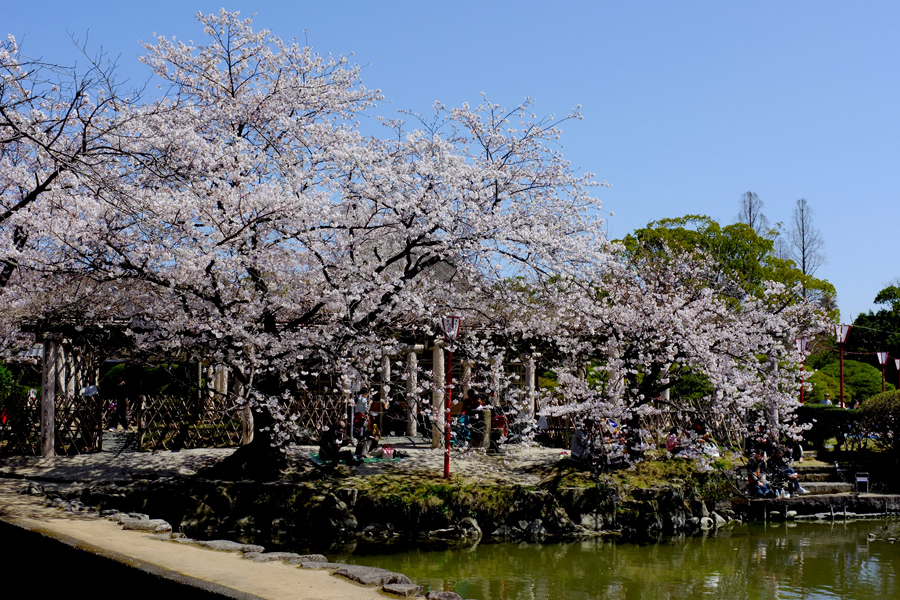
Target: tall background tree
{"points": [[806, 241], [751, 214]]}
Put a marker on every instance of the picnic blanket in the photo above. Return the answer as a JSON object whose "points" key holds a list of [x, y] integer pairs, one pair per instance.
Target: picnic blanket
{"points": [[369, 459]]}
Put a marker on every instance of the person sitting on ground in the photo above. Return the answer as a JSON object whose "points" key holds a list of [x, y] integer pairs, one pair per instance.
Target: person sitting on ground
{"points": [[331, 442], [673, 442], [582, 444], [757, 485], [367, 445], [778, 465]]}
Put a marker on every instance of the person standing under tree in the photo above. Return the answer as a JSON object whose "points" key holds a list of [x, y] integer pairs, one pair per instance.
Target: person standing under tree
{"points": [[118, 404], [361, 413]]}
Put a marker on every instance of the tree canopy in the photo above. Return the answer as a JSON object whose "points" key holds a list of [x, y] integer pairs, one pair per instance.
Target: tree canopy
{"points": [[743, 256]]}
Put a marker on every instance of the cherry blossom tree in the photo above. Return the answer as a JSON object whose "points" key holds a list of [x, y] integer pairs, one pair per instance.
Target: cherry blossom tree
{"points": [[61, 134], [658, 317], [266, 232]]}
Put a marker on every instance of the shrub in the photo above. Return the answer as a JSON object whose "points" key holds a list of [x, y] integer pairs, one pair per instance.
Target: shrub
{"points": [[7, 384], [861, 380], [829, 422], [881, 414]]}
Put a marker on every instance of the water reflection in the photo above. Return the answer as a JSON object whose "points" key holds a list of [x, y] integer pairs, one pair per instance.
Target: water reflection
{"points": [[813, 561]]}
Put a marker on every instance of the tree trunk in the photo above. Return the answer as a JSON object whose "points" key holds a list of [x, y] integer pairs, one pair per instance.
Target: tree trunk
{"points": [[258, 460]]}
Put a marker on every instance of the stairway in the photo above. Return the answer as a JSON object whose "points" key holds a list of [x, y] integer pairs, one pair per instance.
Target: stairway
{"points": [[820, 478]]}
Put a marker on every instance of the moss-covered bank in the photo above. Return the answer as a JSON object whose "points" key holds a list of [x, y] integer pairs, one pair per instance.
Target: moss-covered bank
{"points": [[654, 499]]}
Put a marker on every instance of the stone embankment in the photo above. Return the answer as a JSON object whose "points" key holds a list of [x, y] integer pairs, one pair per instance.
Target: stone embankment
{"points": [[324, 515]]}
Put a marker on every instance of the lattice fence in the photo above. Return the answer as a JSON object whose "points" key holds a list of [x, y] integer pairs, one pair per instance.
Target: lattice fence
{"points": [[163, 423], [311, 412], [177, 423], [79, 426], [20, 427]]}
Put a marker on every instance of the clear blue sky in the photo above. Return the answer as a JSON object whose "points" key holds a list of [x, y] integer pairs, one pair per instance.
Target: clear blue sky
{"points": [[687, 105]]}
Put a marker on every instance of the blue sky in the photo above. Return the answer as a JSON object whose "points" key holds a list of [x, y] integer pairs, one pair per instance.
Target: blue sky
{"points": [[687, 105]]}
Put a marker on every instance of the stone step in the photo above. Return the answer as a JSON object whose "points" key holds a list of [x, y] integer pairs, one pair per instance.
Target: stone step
{"points": [[820, 477], [804, 469], [827, 487]]}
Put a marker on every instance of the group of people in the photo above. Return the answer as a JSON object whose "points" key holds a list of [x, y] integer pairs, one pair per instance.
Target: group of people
{"points": [[852, 405], [472, 425], [604, 445], [769, 467], [694, 443]]}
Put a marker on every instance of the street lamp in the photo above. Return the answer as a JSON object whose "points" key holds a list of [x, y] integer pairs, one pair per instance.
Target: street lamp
{"points": [[882, 360], [841, 332], [802, 345], [450, 325]]}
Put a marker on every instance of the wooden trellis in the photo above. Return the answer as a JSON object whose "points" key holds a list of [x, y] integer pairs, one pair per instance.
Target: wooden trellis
{"points": [[311, 412], [177, 423], [79, 426]]}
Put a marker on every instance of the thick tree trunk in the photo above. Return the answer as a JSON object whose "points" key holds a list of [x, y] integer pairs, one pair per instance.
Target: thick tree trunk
{"points": [[258, 460]]}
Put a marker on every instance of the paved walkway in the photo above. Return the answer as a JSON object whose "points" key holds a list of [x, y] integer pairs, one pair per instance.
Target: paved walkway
{"points": [[224, 574]]}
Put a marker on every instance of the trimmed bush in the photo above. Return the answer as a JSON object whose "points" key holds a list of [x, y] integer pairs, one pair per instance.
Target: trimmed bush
{"points": [[881, 414], [829, 422]]}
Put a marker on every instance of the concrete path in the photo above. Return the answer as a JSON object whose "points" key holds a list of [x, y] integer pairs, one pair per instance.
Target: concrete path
{"points": [[223, 573]]}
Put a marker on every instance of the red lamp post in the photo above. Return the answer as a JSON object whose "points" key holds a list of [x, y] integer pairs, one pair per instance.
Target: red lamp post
{"points": [[882, 360], [450, 325], [841, 332], [802, 345]]}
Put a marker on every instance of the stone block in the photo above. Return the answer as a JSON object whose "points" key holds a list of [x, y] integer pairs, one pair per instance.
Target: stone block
{"points": [[151, 525], [370, 575], [229, 546], [405, 590]]}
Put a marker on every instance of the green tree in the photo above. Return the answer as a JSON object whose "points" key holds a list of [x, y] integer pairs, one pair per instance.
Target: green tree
{"points": [[822, 384], [878, 332], [743, 255], [882, 415]]}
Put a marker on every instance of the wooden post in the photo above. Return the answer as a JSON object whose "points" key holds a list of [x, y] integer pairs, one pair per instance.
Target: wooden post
{"points": [[385, 391], [437, 395], [530, 394], [412, 397], [48, 397], [59, 375]]}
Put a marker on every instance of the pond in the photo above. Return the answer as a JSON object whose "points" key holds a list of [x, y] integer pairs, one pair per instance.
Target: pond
{"points": [[853, 560]]}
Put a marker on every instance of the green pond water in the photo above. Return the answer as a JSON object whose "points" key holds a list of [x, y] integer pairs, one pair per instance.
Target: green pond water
{"points": [[814, 561]]}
